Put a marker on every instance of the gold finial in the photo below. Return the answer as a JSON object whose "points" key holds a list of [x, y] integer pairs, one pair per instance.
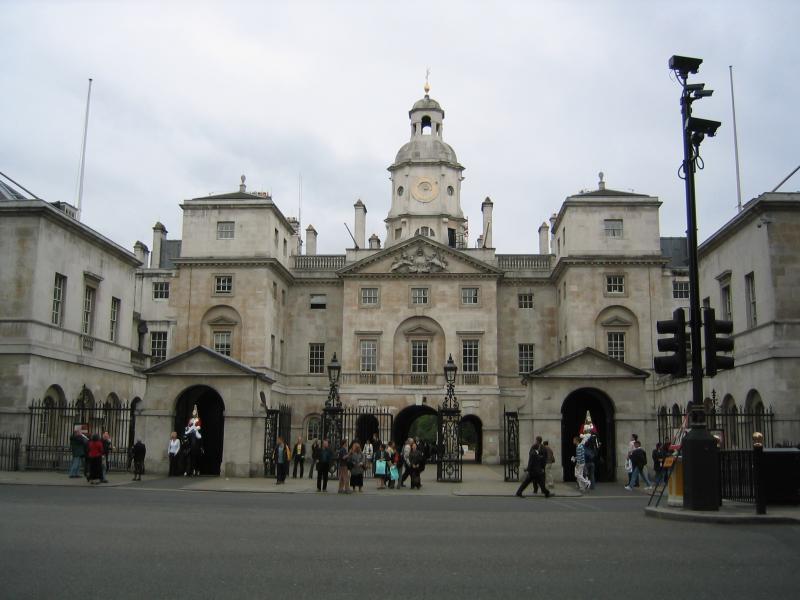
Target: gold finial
{"points": [[427, 87]]}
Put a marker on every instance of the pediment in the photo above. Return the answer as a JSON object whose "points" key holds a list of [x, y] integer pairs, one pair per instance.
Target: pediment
{"points": [[419, 331], [616, 322], [201, 361], [419, 256], [588, 363], [222, 320]]}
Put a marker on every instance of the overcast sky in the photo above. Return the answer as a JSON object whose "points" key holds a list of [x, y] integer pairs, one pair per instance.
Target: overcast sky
{"points": [[538, 97]]}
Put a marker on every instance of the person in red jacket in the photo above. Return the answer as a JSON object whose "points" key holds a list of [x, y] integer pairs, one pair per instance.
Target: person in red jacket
{"points": [[95, 455]]}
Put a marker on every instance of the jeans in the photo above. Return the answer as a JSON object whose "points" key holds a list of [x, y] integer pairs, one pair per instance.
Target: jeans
{"points": [[580, 478], [635, 474], [298, 460], [75, 467]]}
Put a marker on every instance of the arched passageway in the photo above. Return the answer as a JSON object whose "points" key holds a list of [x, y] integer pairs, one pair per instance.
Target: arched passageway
{"points": [[406, 420], [573, 414], [211, 411], [472, 437]]}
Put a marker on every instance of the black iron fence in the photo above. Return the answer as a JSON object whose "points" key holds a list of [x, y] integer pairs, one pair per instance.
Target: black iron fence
{"points": [[737, 475], [510, 449], [51, 425], [9, 452], [735, 429], [277, 423]]}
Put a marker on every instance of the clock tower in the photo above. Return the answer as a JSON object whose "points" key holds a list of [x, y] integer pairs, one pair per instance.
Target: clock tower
{"points": [[426, 182]]}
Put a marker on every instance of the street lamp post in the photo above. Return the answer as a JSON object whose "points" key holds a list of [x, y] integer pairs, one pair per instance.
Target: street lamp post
{"points": [[334, 372], [449, 429], [332, 411]]}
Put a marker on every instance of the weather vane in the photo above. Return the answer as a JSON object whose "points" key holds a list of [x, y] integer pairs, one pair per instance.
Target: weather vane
{"points": [[427, 87]]}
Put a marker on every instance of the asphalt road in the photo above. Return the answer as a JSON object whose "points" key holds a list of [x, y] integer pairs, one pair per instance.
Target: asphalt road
{"points": [[135, 543]]}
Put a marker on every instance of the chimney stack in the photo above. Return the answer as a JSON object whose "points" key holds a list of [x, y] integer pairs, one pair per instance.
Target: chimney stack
{"points": [[159, 237], [297, 243], [142, 253], [374, 242], [311, 241], [544, 239], [361, 223], [486, 209]]}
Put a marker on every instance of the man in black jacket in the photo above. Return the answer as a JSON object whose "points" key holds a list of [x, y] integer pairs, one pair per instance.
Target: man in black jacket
{"points": [[323, 466], [638, 461], [535, 470]]}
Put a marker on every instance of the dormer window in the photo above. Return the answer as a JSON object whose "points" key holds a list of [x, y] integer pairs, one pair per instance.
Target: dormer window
{"points": [[426, 231]]}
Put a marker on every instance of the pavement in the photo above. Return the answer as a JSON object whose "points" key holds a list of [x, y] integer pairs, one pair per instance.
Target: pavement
{"points": [[477, 480]]}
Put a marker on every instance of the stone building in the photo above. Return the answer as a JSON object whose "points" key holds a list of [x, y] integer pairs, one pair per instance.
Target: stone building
{"points": [[236, 319]]}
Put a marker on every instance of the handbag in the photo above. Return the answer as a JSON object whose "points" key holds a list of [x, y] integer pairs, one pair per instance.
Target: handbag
{"points": [[394, 473], [380, 467]]}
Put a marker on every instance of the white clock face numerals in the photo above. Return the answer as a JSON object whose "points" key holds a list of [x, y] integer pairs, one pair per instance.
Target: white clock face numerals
{"points": [[425, 189]]}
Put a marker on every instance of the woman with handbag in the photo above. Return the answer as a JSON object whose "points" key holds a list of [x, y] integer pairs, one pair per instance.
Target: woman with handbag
{"points": [[381, 466], [356, 465]]}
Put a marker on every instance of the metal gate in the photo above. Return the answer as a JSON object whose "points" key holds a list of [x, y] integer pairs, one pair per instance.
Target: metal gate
{"points": [[355, 423], [277, 423], [51, 425], [449, 449], [510, 445], [9, 452]]}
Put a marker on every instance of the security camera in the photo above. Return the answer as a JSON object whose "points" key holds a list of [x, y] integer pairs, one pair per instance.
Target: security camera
{"points": [[703, 126], [695, 87], [702, 94], [685, 64]]}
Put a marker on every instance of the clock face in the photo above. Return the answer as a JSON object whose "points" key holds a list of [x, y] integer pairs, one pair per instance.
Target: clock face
{"points": [[425, 189]]}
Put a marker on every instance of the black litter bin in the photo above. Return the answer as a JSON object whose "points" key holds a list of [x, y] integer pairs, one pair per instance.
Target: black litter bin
{"points": [[782, 475]]}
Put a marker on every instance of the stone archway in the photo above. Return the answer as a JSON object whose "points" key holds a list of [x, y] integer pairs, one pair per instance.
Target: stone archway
{"points": [[573, 413], [472, 436], [405, 419], [211, 411]]}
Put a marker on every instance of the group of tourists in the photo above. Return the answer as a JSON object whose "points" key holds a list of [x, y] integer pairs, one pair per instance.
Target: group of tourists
{"points": [[91, 456], [387, 464]]}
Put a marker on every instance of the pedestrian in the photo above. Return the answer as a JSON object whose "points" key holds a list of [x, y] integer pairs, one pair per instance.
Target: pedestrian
{"points": [[369, 452], [534, 473], [315, 446], [298, 457], [281, 455], [548, 467], [580, 464], [139, 451], [591, 454], [356, 465], [658, 462], [416, 462], [539, 442], [323, 466], [391, 467], [341, 460], [638, 462], [403, 462], [77, 444], [107, 448], [173, 449], [381, 466], [628, 464], [95, 458]]}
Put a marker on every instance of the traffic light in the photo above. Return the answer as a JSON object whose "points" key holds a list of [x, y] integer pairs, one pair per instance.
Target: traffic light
{"points": [[675, 364], [712, 328]]}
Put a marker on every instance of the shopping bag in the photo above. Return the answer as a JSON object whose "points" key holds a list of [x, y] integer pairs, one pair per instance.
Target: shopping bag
{"points": [[394, 473], [380, 467]]}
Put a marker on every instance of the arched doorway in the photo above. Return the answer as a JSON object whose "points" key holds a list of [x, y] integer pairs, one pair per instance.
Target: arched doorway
{"points": [[211, 410], [573, 414], [406, 419], [472, 437], [366, 425]]}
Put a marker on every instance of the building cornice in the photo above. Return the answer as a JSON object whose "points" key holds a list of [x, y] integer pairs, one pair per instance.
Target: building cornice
{"points": [[654, 260], [236, 261]]}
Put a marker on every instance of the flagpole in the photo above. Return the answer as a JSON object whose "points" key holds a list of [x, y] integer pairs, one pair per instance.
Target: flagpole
{"points": [[83, 149]]}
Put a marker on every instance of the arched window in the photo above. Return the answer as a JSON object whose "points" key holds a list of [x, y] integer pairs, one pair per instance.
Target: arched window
{"points": [[426, 125], [730, 418], [754, 408], [676, 416], [424, 230], [313, 427]]}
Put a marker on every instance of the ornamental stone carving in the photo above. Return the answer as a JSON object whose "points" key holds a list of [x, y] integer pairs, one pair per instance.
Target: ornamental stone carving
{"points": [[419, 262]]}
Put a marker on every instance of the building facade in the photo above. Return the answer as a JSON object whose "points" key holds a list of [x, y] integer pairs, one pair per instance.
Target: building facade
{"points": [[237, 319]]}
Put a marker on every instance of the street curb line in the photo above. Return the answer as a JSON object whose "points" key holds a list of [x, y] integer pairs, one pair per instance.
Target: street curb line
{"points": [[716, 518]]}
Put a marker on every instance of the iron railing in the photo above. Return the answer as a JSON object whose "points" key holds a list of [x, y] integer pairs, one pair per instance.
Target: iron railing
{"points": [[9, 452], [416, 379], [510, 449], [277, 423], [735, 429], [737, 475]]}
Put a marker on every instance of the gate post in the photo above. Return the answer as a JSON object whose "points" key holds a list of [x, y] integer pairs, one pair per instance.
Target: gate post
{"points": [[270, 441], [449, 466], [511, 439]]}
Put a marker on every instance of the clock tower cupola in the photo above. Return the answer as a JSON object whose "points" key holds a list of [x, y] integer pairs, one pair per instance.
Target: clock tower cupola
{"points": [[426, 182]]}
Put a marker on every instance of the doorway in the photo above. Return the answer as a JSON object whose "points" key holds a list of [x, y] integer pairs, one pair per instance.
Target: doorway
{"points": [[472, 438], [573, 414], [211, 411]]}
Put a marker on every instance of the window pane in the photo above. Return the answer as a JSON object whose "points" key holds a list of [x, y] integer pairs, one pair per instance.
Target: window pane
{"points": [[469, 295], [419, 356], [160, 290], [680, 289], [469, 356], [223, 284], [616, 345], [319, 301], [88, 310], [369, 356], [316, 358], [613, 228], [222, 342], [525, 358], [58, 299], [525, 300], [369, 295], [615, 284], [225, 230], [158, 346], [115, 305], [419, 295]]}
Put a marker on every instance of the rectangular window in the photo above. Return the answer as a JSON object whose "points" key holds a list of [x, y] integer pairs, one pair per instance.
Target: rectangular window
{"points": [[222, 342], [469, 296], [158, 346], [285, 248], [369, 296], [87, 322], [419, 356], [469, 361], [725, 297], [615, 284], [419, 295], [160, 290], [319, 301], [275, 290], [223, 284], [276, 239], [680, 289], [272, 351], [59, 289], [616, 345], [113, 334], [369, 356], [283, 297], [283, 356], [613, 228], [525, 358], [750, 296], [316, 358], [525, 300], [398, 233], [225, 230]]}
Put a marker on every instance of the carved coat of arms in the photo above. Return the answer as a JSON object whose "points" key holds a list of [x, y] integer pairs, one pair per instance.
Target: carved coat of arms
{"points": [[419, 262]]}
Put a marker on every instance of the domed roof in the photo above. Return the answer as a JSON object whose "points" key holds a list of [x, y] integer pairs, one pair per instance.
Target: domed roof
{"points": [[426, 149], [426, 103]]}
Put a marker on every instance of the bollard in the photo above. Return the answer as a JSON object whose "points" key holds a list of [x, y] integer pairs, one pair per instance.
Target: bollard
{"points": [[758, 473]]}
